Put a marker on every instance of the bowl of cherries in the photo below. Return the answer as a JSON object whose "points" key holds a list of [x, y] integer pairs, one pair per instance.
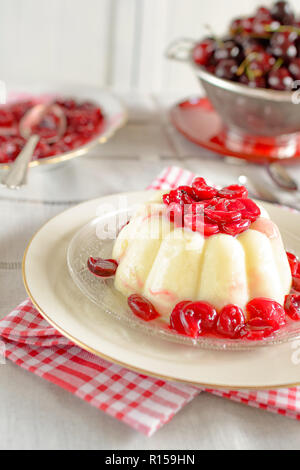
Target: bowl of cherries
{"points": [[252, 75], [90, 117]]}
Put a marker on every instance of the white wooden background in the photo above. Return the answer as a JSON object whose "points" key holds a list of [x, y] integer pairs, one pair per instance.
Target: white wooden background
{"points": [[117, 43]]}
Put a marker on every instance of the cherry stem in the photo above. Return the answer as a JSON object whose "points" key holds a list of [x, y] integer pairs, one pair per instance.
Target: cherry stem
{"points": [[243, 66], [278, 64], [282, 29]]}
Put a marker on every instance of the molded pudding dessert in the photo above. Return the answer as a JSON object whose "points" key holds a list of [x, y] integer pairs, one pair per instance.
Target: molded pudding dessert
{"points": [[205, 261]]}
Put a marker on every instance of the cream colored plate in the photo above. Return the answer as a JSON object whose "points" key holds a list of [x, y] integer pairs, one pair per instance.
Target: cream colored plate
{"points": [[52, 290]]}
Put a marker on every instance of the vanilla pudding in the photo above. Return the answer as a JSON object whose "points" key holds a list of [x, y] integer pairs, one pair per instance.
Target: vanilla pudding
{"points": [[168, 264]]}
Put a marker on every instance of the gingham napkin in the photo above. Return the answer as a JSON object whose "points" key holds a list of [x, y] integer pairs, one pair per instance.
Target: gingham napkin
{"points": [[144, 403]]}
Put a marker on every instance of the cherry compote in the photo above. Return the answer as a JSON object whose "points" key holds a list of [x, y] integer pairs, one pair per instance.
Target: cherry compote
{"points": [[84, 122], [205, 209]]}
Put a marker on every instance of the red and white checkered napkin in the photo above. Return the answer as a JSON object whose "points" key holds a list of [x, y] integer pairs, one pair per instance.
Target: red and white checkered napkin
{"points": [[145, 403]]}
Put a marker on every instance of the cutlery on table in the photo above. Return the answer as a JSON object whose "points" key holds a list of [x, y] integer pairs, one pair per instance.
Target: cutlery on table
{"points": [[281, 177], [258, 189]]}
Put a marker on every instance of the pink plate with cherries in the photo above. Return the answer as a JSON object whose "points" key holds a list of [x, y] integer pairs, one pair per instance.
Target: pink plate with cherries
{"points": [[91, 117], [196, 119]]}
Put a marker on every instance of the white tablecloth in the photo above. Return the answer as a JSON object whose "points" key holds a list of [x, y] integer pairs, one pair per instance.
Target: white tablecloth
{"points": [[35, 414]]}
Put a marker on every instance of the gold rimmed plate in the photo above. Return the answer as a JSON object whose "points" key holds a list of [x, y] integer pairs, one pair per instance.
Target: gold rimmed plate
{"points": [[59, 300], [115, 114]]}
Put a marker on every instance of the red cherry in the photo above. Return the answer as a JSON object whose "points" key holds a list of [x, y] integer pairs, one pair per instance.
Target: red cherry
{"points": [[59, 148], [223, 216], [263, 62], [207, 313], [294, 68], [227, 69], [4, 158], [80, 118], [202, 190], [187, 190], [210, 229], [42, 149], [178, 307], [293, 261], [255, 82], [282, 11], [217, 204], [182, 195], [66, 103], [292, 306], [247, 24], [265, 312], [236, 26], [233, 191], [235, 228], [73, 140], [296, 282], [203, 51], [280, 79], [197, 208], [12, 147], [254, 333], [185, 324], [102, 267], [19, 108], [194, 222], [193, 318], [229, 50], [261, 26], [231, 320], [227, 205], [235, 204], [142, 307], [251, 210], [251, 45], [6, 118], [211, 68], [263, 13]]}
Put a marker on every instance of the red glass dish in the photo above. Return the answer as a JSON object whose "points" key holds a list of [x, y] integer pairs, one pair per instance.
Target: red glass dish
{"points": [[197, 120]]}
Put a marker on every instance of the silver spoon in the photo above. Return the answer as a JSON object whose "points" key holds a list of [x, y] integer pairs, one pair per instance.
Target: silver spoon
{"points": [[281, 177], [261, 192], [258, 189], [17, 174]]}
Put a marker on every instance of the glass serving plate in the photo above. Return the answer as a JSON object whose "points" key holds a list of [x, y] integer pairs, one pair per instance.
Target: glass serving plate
{"points": [[87, 243]]}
